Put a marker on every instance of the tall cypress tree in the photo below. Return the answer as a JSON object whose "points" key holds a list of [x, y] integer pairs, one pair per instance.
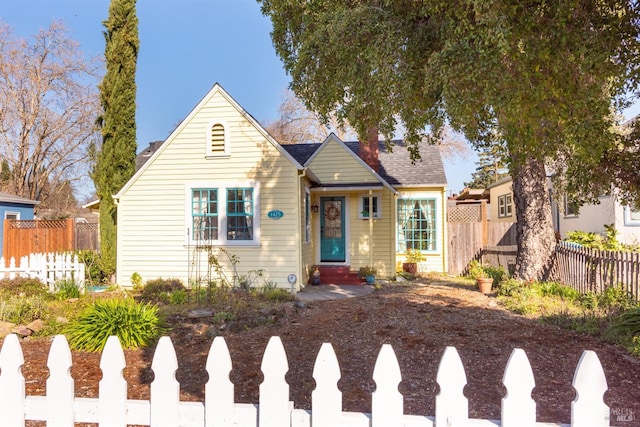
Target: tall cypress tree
{"points": [[116, 160]]}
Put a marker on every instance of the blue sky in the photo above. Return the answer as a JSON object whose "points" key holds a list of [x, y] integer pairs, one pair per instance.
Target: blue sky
{"points": [[185, 47]]}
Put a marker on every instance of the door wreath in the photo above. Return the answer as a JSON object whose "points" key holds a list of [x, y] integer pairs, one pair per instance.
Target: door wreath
{"points": [[332, 213]]}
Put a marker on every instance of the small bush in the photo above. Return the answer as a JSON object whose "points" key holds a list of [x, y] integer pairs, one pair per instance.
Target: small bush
{"points": [[555, 289], [21, 309], [154, 289], [270, 292], [93, 273], [66, 289], [135, 325], [24, 287]]}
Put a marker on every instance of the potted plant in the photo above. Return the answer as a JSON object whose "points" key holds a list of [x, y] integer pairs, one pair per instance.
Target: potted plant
{"points": [[368, 273], [412, 258], [479, 272]]}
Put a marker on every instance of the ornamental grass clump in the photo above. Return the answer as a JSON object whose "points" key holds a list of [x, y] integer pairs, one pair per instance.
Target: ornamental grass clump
{"points": [[135, 325]]}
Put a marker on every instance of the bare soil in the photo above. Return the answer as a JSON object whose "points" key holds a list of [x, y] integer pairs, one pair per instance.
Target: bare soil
{"points": [[419, 320]]}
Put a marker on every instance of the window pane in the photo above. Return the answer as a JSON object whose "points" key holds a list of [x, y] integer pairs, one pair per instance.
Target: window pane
{"points": [[204, 214], [240, 214], [416, 224]]}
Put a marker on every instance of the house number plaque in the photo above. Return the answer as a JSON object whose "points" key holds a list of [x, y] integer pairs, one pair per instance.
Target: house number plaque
{"points": [[275, 214]]}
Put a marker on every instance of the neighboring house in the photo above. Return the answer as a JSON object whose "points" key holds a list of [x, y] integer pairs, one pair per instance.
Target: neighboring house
{"points": [[593, 218], [501, 206], [220, 180], [14, 207], [566, 217]]}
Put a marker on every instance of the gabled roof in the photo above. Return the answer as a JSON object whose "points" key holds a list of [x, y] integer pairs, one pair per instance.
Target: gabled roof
{"points": [[10, 198], [395, 167], [216, 89]]}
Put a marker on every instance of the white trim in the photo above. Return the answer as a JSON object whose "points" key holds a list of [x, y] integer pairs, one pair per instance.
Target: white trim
{"points": [[350, 188], [628, 221], [17, 214], [377, 203], [222, 186], [438, 201]]}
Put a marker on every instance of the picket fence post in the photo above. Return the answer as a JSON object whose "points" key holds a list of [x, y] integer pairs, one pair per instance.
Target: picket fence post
{"points": [[452, 408], [274, 391], [218, 391], [60, 407], [386, 400], [12, 387], [326, 398], [588, 409], [518, 408]]}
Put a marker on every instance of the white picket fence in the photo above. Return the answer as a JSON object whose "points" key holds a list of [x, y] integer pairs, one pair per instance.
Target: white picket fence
{"points": [[60, 408], [49, 268]]}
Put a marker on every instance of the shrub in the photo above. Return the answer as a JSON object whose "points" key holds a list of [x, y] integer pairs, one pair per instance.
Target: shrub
{"points": [[94, 275], [270, 292], [135, 325], [24, 287], [22, 309], [66, 289], [154, 289]]}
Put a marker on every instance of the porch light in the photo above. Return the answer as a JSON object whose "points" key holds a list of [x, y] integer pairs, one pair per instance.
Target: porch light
{"points": [[315, 208]]}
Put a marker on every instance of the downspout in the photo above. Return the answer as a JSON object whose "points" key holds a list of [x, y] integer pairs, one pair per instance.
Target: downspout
{"points": [[298, 285], [371, 227], [445, 241]]}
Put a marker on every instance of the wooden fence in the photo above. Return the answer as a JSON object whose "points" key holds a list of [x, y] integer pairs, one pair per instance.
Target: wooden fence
{"points": [[49, 268], [592, 270], [60, 408], [24, 237]]}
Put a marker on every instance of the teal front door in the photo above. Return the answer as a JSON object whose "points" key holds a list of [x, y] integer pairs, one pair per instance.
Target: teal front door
{"points": [[332, 240]]}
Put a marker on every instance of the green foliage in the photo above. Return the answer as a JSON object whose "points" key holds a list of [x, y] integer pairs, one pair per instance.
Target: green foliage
{"points": [[414, 256], [94, 274], [270, 292], [66, 289], [136, 281], [477, 270], [607, 242], [367, 270], [24, 287], [22, 309], [135, 325], [491, 166], [159, 289], [115, 162], [223, 316]]}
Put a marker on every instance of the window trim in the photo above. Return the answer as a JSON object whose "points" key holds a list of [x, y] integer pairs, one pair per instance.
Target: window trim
{"points": [[628, 221], [505, 205], [565, 208], [210, 154], [17, 214], [436, 218], [222, 187], [377, 212]]}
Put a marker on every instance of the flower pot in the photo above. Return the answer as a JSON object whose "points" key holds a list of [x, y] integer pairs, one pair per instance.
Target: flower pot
{"points": [[484, 284], [370, 280], [410, 267]]}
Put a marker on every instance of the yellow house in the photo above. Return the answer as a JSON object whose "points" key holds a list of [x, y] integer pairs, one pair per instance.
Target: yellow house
{"points": [[501, 207], [220, 197]]}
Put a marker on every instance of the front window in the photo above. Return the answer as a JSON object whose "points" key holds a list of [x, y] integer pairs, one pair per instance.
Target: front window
{"points": [[570, 208], [417, 224], [223, 213], [204, 214], [240, 214]]}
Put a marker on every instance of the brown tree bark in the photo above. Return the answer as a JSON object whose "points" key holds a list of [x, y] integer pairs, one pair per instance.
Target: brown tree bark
{"points": [[536, 235]]}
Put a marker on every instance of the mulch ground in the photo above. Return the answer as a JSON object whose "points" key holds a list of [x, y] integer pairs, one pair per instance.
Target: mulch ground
{"points": [[418, 320]]}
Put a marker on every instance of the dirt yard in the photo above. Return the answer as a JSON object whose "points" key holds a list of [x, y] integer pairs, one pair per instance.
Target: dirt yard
{"points": [[418, 320]]}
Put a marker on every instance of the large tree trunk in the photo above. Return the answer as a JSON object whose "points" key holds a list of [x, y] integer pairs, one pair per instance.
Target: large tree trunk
{"points": [[536, 236]]}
